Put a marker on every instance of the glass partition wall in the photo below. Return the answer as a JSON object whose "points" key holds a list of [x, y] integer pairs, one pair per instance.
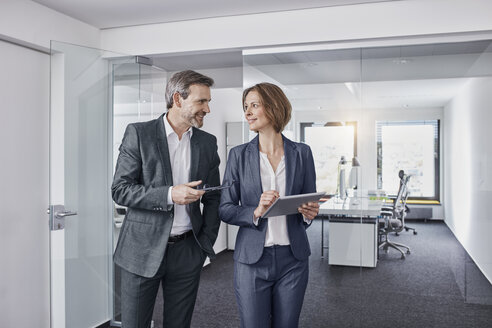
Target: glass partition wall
{"points": [[138, 95], [426, 113], [419, 109], [324, 88]]}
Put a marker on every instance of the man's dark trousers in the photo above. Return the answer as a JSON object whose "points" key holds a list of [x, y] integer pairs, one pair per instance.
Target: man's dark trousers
{"points": [[179, 274]]}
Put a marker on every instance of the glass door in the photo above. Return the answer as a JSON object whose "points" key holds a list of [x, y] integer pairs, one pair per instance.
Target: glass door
{"points": [[80, 179]]}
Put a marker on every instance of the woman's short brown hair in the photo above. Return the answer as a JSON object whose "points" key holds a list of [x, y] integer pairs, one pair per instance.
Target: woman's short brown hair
{"points": [[277, 107]]}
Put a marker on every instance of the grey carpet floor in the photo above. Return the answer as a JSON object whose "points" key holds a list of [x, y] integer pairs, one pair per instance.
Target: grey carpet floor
{"points": [[438, 285]]}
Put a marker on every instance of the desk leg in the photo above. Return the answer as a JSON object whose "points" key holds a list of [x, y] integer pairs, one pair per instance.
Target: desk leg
{"points": [[322, 235], [323, 218]]}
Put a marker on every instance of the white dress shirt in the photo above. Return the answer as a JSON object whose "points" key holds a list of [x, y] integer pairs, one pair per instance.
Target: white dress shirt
{"points": [[180, 157], [276, 233]]}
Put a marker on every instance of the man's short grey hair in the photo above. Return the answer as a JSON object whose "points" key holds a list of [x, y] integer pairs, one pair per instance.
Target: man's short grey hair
{"points": [[180, 82]]}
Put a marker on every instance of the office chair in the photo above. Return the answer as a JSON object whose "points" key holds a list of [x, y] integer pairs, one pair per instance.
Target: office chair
{"points": [[407, 227], [407, 210], [394, 217]]}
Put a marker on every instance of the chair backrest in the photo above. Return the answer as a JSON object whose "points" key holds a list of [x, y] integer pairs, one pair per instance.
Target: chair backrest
{"points": [[399, 205], [395, 215]]}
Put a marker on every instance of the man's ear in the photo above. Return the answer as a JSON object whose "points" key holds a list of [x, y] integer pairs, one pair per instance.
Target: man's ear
{"points": [[177, 99]]}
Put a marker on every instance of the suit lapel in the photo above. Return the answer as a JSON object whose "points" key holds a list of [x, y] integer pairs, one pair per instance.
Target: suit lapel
{"points": [[253, 157], [290, 156], [161, 140], [195, 155]]}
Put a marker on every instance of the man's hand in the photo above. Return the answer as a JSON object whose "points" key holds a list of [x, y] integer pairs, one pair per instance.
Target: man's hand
{"points": [[185, 194], [267, 199], [309, 210]]}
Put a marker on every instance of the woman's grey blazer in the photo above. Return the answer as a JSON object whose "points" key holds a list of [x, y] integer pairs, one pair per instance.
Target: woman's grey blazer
{"points": [[238, 203]]}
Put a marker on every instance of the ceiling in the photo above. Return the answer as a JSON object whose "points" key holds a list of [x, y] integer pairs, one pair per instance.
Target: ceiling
{"points": [[117, 13], [397, 62], [408, 95], [417, 76], [394, 77]]}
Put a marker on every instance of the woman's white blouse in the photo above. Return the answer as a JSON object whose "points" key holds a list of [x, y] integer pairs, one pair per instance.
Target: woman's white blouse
{"points": [[276, 233]]}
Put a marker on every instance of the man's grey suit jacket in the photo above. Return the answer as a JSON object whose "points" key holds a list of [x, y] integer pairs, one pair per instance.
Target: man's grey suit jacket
{"points": [[141, 182]]}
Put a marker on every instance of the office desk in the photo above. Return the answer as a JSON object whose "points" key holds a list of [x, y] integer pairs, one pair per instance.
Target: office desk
{"points": [[353, 231]]}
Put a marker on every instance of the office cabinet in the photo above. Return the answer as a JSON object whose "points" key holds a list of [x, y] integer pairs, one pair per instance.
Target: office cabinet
{"points": [[353, 243]]}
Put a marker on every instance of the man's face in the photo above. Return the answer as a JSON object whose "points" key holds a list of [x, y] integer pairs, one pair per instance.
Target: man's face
{"points": [[195, 107]]}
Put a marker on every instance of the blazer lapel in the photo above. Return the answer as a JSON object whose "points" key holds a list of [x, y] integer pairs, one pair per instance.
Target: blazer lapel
{"points": [[161, 140], [195, 155], [253, 158], [290, 156]]}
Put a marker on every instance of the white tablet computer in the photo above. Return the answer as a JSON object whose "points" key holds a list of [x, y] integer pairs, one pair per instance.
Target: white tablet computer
{"points": [[288, 204]]}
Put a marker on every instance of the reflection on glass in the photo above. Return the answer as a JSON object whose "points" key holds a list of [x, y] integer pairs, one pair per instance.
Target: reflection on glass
{"points": [[329, 144]]}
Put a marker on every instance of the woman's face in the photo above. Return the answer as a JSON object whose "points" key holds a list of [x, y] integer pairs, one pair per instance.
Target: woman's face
{"points": [[254, 112]]}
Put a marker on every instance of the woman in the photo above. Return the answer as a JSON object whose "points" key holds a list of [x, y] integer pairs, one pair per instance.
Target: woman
{"points": [[271, 254]]}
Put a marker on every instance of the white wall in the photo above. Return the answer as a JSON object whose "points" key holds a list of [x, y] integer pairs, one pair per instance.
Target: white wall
{"points": [[468, 170], [24, 90], [31, 24], [334, 24], [366, 135], [24, 235]]}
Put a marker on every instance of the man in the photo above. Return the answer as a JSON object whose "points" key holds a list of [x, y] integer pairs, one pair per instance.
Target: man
{"points": [[165, 237]]}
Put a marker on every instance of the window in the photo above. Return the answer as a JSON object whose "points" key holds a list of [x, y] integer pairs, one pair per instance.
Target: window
{"points": [[412, 146], [328, 143]]}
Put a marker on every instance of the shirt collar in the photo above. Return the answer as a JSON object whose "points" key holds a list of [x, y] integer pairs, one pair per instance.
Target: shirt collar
{"points": [[170, 130]]}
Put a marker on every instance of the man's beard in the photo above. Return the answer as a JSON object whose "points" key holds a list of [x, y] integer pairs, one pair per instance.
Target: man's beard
{"points": [[190, 118], [195, 123]]}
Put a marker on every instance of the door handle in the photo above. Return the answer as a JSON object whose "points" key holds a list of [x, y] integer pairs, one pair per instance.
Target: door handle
{"points": [[57, 215], [64, 214]]}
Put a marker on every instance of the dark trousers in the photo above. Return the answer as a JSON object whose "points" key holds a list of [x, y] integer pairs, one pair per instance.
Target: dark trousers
{"points": [[270, 292], [179, 275]]}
